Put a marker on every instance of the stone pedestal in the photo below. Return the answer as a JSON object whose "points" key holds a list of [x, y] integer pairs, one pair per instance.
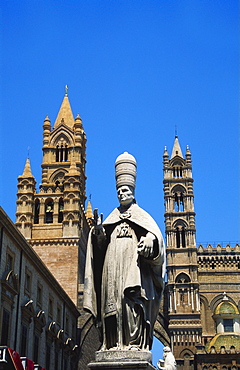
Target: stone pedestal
{"points": [[122, 360]]}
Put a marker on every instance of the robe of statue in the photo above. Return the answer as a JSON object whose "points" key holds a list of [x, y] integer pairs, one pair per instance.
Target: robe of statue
{"points": [[122, 288]]}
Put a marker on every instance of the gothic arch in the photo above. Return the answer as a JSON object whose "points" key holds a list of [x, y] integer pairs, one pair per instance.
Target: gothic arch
{"points": [[181, 222], [177, 167], [23, 198], [204, 305], [70, 217], [24, 182], [177, 161], [61, 134], [186, 353], [58, 175], [71, 179], [204, 301], [182, 278], [218, 299], [23, 219], [180, 231], [179, 188]]}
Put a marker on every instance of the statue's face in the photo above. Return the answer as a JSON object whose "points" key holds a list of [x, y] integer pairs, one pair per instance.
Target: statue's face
{"points": [[125, 195]]}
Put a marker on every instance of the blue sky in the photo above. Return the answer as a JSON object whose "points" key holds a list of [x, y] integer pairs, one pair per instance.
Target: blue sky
{"points": [[137, 71]]}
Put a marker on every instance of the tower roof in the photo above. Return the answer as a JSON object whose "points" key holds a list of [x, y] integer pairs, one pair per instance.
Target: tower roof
{"points": [[27, 172], [65, 114], [176, 148], [226, 340], [89, 211]]}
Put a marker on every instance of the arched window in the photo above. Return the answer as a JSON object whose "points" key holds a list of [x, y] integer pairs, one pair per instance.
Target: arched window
{"points": [[180, 236], [183, 237], [66, 152], [49, 211], [178, 202], [177, 171], [178, 239], [57, 153], [62, 151], [36, 211], [182, 278], [60, 210], [181, 203]]}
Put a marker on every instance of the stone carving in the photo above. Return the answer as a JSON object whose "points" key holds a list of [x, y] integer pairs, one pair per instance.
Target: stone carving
{"points": [[168, 362], [125, 267]]}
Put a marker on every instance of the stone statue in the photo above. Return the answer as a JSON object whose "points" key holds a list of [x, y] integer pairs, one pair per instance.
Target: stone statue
{"points": [[125, 267], [169, 362]]}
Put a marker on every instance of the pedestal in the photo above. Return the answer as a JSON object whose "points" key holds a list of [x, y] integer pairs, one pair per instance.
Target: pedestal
{"points": [[122, 360]]}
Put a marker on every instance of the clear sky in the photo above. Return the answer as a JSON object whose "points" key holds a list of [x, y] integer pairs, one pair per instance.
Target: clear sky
{"points": [[137, 71]]}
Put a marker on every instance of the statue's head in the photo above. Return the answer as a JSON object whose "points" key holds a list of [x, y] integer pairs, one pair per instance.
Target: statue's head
{"points": [[126, 168], [166, 351]]}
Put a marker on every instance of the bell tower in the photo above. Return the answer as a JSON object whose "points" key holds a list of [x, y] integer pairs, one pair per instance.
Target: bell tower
{"points": [[53, 219], [183, 286]]}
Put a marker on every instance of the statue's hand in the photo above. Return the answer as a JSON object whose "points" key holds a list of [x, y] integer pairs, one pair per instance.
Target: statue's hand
{"points": [[160, 365], [145, 245]]}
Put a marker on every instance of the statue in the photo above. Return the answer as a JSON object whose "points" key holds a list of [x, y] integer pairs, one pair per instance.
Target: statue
{"points": [[169, 362], [125, 268]]}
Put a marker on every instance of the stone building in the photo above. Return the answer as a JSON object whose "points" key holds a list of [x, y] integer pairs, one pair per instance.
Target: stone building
{"points": [[203, 290], [37, 318]]}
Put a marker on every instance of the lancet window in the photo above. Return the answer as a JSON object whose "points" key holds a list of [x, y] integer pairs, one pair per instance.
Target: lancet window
{"points": [[178, 202], [49, 211], [180, 236], [62, 151], [177, 171], [36, 211], [60, 210]]}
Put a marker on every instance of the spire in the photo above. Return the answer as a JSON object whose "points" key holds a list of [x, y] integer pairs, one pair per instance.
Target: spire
{"points": [[65, 114], [89, 212], [165, 153], [27, 172], [176, 149]]}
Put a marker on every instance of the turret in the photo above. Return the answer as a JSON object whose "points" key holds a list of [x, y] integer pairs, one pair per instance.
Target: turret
{"points": [[25, 201]]}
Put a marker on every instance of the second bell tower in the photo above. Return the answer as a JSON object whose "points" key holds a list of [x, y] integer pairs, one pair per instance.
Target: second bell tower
{"points": [[183, 285]]}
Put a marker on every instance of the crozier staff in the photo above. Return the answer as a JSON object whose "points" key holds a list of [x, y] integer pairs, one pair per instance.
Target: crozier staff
{"points": [[125, 267]]}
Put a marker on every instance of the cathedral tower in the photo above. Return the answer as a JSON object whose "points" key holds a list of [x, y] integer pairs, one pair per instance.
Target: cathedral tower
{"points": [[53, 219], [183, 285]]}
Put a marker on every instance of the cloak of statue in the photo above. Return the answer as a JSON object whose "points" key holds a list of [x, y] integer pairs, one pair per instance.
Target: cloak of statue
{"points": [[123, 288]]}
